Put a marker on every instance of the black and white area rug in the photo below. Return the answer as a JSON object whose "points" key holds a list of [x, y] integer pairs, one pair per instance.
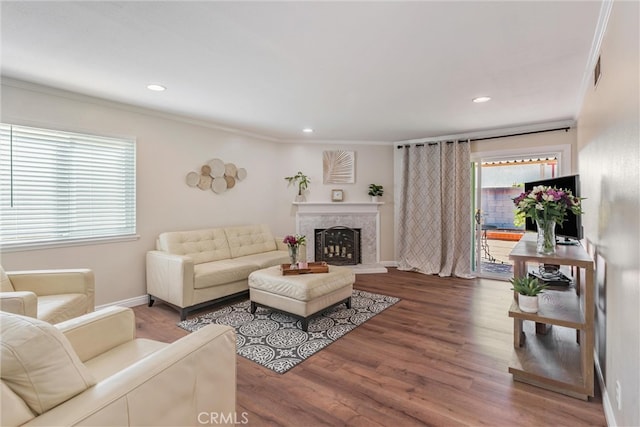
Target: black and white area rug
{"points": [[276, 341]]}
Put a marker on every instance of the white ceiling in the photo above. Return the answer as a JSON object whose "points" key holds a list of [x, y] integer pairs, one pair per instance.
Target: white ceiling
{"points": [[371, 71]]}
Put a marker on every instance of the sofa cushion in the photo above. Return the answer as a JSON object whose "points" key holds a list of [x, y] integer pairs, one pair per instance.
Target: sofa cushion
{"points": [[200, 245], [267, 259], [221, 272], [249, 239], [5, 283], [39, 364], [58, 308]]}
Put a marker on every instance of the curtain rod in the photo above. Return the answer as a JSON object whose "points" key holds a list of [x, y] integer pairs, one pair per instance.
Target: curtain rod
{"points": [[566, 129]]}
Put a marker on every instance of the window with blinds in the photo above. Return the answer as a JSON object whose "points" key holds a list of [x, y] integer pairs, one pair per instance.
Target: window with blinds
{"points": [[61, 187]]}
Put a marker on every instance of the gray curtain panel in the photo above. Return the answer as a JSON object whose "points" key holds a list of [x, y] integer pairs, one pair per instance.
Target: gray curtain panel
{"points": [[434, 227]]}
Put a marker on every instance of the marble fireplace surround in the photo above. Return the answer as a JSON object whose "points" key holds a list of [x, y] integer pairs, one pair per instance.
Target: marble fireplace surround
{"points": [[363, 215]]}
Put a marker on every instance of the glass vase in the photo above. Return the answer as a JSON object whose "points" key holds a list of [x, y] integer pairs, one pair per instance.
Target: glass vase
{"points": [[546, 244], [293, 257]]}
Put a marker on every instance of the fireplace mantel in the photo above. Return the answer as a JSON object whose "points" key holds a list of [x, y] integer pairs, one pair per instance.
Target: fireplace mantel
{"points": [[349, 207], [363, 215]]}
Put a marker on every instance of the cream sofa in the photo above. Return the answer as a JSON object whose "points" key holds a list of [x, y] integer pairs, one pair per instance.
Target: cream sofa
{"points": [[49, 295], [91, 370], [190, 269]]}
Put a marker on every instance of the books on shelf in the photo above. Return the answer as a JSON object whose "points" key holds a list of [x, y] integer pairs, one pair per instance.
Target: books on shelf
{"points": [[557, 279]]}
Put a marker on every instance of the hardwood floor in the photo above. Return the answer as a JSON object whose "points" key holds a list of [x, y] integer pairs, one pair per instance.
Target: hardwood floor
{"points": [[438, 357]]}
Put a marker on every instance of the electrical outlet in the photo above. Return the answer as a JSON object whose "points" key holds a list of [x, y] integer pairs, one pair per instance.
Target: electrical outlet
{"points": [[619, 395]]}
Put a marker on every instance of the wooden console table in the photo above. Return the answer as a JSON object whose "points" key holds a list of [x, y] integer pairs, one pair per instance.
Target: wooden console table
{"points": [[555, 358]]}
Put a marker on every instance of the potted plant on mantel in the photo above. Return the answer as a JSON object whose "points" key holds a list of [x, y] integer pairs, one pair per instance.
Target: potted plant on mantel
{"points": [[302, 181], [528, 289], [375, 190]]}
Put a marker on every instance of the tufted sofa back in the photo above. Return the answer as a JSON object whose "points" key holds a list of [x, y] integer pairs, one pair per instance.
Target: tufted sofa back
{"points": [[249, 240], [200, 245], [214, 244]]}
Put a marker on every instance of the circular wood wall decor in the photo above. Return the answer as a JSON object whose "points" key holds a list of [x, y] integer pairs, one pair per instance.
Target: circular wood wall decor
{"points": [[230, 169], [219, 185], [192, 179], [217, 168], [217, 176], [241, 174], [205, 182]]}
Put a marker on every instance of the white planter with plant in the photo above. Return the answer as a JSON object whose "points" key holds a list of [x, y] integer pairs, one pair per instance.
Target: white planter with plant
{"points": [[302, 181], [528, 289], [375, 190]]}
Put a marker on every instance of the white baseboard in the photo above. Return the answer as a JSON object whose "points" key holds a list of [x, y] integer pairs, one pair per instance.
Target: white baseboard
{"points": [[360, 269], [368, 268], [131, 302], [606, 399]]}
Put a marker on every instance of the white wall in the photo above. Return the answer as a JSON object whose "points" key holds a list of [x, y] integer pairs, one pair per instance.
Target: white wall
{"points": [[609, 159], [167, 149]]}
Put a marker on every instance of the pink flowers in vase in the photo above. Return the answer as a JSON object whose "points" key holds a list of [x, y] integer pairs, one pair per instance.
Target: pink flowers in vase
{"points": [[544, 203], [295, 240]]}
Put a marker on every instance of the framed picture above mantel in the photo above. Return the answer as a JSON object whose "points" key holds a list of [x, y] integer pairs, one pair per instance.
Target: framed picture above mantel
{"points": [[338, 167], [337, 195]]}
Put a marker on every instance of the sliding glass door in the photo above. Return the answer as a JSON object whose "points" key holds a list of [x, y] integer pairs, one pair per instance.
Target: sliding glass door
{"points": [[497, 181]]}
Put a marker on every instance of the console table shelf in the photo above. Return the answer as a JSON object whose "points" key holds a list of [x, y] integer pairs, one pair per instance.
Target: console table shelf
{"points": [[560, 308], [558, 358], [551, 361]]}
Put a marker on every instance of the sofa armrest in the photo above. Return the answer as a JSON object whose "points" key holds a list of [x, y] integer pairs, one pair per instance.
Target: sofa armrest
{"points": [[97, 332], [54, 282], [185, 383], [170, 277], [19, 302], [280, 245]]}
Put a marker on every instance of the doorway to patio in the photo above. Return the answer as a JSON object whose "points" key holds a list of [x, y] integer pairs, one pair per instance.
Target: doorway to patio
{"points": [[498, 181]]}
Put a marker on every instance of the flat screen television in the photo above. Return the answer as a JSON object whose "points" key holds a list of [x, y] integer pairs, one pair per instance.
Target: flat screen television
{"points": [[571, 228]]}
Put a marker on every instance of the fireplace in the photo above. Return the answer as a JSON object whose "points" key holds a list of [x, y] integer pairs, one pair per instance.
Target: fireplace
{"points": [[362, 216], [337, 245]]}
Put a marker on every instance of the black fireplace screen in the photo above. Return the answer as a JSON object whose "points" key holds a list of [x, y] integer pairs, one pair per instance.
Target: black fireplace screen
{"points": [[338, 245]]}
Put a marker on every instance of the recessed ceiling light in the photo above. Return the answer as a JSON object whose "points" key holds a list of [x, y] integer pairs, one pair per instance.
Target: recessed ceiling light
{"points": [[481, 99], [307, 130], [156, 87]]}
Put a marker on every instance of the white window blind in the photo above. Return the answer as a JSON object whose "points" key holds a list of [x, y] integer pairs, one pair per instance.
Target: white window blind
{"points": [[58, 187]]}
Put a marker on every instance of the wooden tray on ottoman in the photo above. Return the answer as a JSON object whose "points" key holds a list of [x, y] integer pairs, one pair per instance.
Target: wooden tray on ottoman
{"points": [[312, 267]]}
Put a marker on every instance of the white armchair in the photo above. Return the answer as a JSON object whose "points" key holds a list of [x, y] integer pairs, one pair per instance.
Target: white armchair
{"points": [[91, 370], [50, 295]]}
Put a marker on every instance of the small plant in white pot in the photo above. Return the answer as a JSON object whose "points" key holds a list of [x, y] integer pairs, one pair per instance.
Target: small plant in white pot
{"points": [[375, 190], [302, 181], [528, 289]]}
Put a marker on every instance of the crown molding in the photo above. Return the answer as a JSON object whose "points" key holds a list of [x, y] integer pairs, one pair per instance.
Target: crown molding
{"points": [[594, 53], [75, 96]]}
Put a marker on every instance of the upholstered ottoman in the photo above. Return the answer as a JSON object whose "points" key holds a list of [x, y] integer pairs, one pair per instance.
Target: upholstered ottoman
{"points": [[301, 295]]}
